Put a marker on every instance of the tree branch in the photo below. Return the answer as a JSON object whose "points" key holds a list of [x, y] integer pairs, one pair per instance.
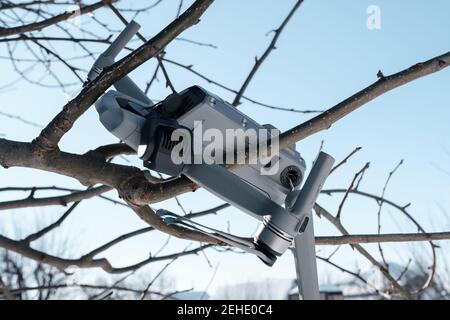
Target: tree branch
{"points": [[62, 264], [5, 32], [380, 238], [63, 122], [383, 85], [336, 222], [32, 202], [89, 169], [149, 216], [260, 61], [39, 234]]}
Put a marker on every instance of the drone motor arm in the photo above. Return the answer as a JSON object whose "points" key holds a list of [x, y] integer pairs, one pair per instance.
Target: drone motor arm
{"points": [[107, 58], [123, 121]]}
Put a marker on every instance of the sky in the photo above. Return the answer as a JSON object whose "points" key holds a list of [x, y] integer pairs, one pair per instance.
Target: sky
{"points": [[326, 54]]}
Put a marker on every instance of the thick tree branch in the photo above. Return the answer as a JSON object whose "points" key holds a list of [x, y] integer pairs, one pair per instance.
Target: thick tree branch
{"points": [[140, 36], [89, 169], [113, 150], [383, 85], [63, 122]]}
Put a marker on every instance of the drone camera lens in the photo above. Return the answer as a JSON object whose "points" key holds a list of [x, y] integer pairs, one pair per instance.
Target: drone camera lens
{"points": [[291, 177]]}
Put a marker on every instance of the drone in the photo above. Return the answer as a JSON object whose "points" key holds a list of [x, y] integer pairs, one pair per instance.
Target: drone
{"points": [[276, 199]]}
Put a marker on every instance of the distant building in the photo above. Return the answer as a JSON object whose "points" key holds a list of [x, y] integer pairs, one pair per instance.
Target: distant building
{"points": [[353, 289], [327, 292]]}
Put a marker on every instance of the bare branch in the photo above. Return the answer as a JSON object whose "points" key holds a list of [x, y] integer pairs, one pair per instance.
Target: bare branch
{"points": [[381, 238], [138, 232], [336, 222], [57, 223], [54, 20], [113, 150], [140, 36], [62, 264], [380, 207], [55, 188], [190, 68], [147, 289], [353, 274], [6, 291], [25, 121], [403, 210], [383, 85], [131, 182], [345, 159], [62, 123], [32, 202], [260, 61], [350, 188], [149, 216]]}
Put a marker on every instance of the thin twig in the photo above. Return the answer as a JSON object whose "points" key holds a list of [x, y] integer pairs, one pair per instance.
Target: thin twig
{"points": [[260, 61]]}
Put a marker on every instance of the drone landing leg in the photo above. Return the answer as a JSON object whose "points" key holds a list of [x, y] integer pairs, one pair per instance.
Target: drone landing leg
{"points": [[305, 263]]}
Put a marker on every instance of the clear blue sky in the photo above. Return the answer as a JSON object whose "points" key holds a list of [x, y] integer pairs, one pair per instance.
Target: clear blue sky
{"points": [[325, 54]]}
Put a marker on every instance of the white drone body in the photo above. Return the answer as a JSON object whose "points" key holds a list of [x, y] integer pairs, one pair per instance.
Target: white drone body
{"points": [[275, 199]]}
